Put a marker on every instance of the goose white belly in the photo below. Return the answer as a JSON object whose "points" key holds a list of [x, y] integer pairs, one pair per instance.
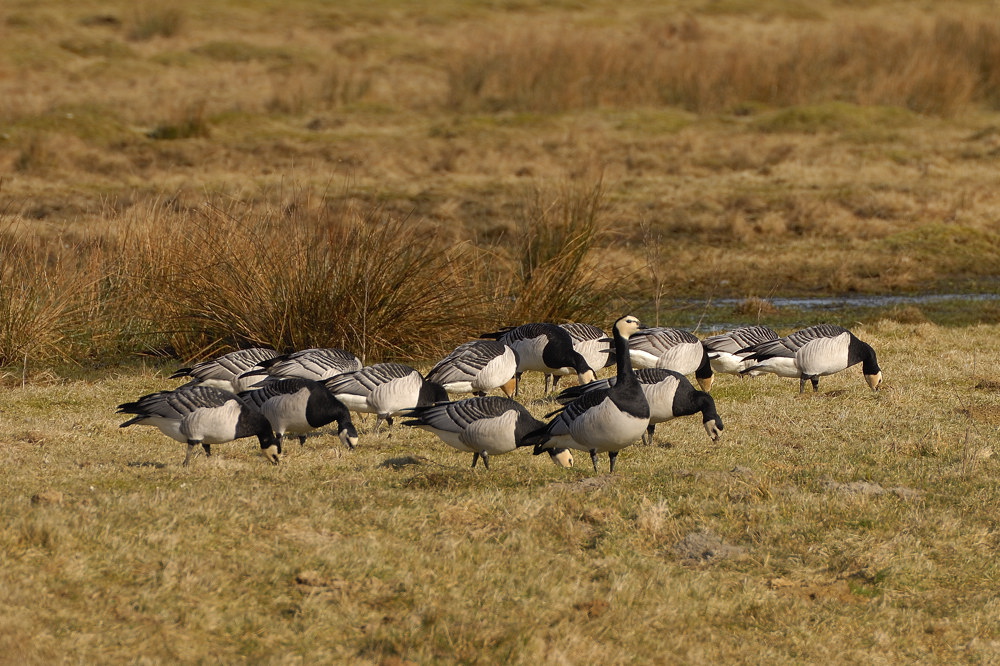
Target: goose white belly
{"points": [[494, 435], [529, 353], [287, 413], [393, 396], [605, 427], [214, 425], [496, 373], [169, 427], [643, 359], [726, 363], [355, 403], [783, 366], [825, 356], [660, 397]]}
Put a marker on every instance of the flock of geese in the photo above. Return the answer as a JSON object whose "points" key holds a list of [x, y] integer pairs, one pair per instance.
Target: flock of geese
{"points": [[258, 392]]}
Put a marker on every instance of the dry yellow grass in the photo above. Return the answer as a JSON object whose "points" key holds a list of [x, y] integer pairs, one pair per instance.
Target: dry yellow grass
{"points": [[727, 149], [842, 526]]}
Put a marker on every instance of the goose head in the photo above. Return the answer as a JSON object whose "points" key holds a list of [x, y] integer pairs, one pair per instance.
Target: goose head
{"points": [[628, 325], [561, 457], [874, 380], [714, 428]]}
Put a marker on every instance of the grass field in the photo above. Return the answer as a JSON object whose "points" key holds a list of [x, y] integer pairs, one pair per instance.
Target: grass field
{"points": [[844, 526], [184, 178]]}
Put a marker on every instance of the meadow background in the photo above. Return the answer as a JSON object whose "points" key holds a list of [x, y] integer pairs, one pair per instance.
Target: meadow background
{"points": [[179, 179]]}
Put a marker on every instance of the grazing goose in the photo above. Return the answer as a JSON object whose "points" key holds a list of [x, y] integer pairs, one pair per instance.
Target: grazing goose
{"points": [[385, 389], [606, 420], [669, 395], [813, 352], [545, 348], [315, 364], [296, 406], [484, 426], [725, 349], [673, 349], [477, 367], [202, 415], [591, 343], [227, 371]]}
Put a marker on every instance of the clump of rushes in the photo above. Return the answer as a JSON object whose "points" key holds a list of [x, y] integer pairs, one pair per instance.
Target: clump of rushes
{"points": [[552, 274], [383, 287], [42, 295]]}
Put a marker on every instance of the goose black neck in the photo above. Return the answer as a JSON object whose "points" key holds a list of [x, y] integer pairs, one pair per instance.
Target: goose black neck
{"points": [[625, 372]]}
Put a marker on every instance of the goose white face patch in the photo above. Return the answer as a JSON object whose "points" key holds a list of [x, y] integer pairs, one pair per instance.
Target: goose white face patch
{"points": [[874, 380]]}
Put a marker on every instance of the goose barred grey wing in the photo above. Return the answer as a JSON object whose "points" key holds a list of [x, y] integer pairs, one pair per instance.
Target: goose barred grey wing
{"points": [[227, 366]]}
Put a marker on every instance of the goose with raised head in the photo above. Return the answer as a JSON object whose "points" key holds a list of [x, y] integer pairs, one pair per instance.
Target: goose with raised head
{"points": [[602, 421], [200, 415], [814, 352], [227, 371], [385, 389], [669, 394], [673, 349], [484, 426], [477, 367], [297, 406], [725, 350], [591, 343], [545, 348]]}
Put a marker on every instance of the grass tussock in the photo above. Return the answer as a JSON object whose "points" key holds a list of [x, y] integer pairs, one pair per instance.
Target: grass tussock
{"points": [[46, 287], [552, 255]]}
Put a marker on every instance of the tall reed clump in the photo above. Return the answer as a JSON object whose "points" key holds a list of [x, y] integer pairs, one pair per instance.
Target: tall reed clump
{"points": [[380, 286], [44, 288], [549, 268], [930, 66]]}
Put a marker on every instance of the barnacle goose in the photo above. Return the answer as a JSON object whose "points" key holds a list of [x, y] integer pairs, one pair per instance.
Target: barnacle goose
{"points": [[202, 415], [601, 421], [385, 389], [485, 426], [227, 371], [592, 343], [296, 406], [545, 348], [316, 364], [725, 349], [813, 352], [669, 394], [673, 349], [477, 367]]}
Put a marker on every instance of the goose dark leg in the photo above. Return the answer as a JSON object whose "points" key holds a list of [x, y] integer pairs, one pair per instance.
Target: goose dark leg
{"points": [[302, 440], [612, 457], [647, 438], [593, 458], [187, 458], [517, 383], [475, 459], [486, 459], [815, 383], [802, 384], [208, 449]]}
